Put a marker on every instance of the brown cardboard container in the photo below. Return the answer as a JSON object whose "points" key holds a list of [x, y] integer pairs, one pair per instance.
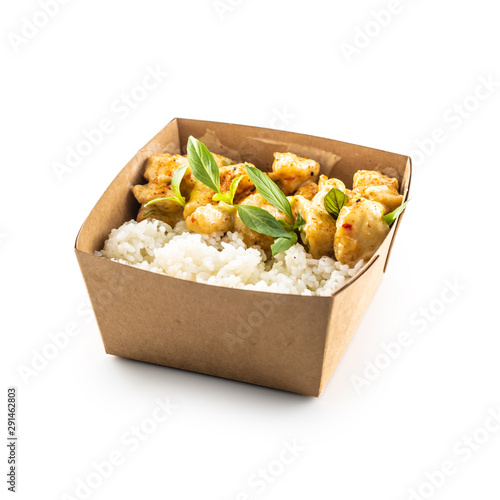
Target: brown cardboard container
{"points": [[287, 342]]}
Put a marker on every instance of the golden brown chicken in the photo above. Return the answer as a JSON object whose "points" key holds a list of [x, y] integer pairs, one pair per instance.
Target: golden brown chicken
{"points": [[292, 171], [325, 185], [376, 186], [227, 174], [308, 190], [167, 211], [158, 173], [360, 231], [319, 230], [211, 219], [200, 196], [160, 168]]}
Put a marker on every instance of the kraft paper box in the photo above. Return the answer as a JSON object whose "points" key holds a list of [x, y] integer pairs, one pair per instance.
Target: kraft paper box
{"points": [[287, 342]]}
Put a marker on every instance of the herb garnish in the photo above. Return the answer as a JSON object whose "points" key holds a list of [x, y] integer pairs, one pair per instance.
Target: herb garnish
{"points": [[205, 169], [229, 196], [175, 185], [334, 201], [283, 244], [269, 190], [299, 222], [392, 216], [148, 213], [262, 221]]}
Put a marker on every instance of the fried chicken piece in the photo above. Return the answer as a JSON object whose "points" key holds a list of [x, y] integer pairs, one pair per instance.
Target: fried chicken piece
{"points": [[200, 196], [376, 186], [158, 173], [366, 178], [160, 168], [319, 231], [211, 219], [292, 171], [360, 231], [308, 190], [151, 212], [227, 174], [325, 185]]}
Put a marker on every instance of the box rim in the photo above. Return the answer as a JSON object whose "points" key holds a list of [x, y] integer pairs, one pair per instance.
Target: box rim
{"points": [[289, 132], [400, 216]]}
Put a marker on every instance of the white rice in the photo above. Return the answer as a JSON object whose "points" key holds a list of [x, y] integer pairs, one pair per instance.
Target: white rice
{"points": [[224, 260]]}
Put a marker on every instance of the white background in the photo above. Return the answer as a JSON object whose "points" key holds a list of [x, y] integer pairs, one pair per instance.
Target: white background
{"points": [[280, 64]]}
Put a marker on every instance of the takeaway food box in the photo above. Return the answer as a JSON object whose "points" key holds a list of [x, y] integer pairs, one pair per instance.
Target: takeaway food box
{"points": [[288, 342]]}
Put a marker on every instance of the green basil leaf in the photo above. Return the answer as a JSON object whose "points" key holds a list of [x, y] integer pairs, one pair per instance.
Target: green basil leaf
{"points": [[203, 164], [233, 188], [261, 221], [287, 226], [334, 201], [269, 190], [392, 216], [225, 206], [220, 197], [154, 201], [175, 184], [282, 244], [229, 196], [299, 222], [178, 198]]}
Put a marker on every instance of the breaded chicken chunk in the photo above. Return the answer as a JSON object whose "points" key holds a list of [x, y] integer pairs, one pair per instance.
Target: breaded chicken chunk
{"points": [[325, 185], [319, 231], [211, 219], [376, 186], [308, 190], [292, 171], [360, 231]]}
